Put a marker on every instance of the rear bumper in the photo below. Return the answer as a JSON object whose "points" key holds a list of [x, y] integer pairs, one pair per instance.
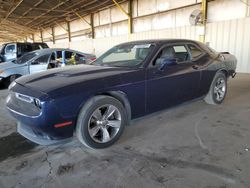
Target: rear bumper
{"points": [[37, 137]]}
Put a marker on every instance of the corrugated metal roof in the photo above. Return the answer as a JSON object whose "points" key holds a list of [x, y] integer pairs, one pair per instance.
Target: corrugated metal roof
{"points": [[21, 17]]}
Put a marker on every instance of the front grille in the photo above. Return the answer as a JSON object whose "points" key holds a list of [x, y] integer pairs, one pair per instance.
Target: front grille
{"points": [[22, 104]]}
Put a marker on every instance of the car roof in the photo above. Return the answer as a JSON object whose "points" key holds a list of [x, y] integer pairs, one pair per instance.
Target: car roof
{"points": [[24, 43], [49, 50], [161, 41]]}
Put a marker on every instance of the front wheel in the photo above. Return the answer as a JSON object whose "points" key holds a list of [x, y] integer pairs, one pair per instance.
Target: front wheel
{"points": [[100, 122], [218, 89]]}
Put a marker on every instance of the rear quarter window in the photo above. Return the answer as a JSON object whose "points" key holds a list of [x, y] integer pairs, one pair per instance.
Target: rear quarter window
{"points": [[195, 51]]}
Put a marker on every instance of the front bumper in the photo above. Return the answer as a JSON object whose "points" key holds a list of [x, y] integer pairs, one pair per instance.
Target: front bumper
{"points": [[38, 126], [37, 138]]}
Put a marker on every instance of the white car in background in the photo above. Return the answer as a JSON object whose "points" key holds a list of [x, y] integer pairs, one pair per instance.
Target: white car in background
{"points": [[41, 60]]}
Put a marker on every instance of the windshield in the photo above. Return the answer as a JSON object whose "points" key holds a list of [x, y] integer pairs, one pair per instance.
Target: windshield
{"points": [[26, 57], [125, 55]]}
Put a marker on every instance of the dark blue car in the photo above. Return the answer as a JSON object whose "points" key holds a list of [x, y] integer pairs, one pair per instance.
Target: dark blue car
{"points": [[130, 80]]}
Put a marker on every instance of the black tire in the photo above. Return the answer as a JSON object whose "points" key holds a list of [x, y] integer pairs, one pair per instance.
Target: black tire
{"points": [[212, 97], [85, 118], [10, 79]]}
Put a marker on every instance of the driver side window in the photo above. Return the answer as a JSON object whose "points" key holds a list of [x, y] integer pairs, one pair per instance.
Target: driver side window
{"points": [[174, 52], [41, 60], [165, 53], [10, 48]]}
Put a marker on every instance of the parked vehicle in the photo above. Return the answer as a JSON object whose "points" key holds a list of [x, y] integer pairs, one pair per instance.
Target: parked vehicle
{"points": [[129, 81], [41, 60], [12, 51]]}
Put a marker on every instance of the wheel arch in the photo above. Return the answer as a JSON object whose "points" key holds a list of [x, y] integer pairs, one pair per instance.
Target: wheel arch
{"points": [[122, 97], [224, 71]]}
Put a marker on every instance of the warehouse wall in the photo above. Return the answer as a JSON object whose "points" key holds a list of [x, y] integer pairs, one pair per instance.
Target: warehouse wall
{"points": [[228, 25], [232, 36]]}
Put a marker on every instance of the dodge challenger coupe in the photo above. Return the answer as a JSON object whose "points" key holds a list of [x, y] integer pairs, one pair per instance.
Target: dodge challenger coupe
{"points": [[95, 102]]}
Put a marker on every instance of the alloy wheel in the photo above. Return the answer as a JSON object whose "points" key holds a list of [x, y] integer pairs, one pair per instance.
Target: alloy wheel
{"points": [[104, 123], [220, 89]]}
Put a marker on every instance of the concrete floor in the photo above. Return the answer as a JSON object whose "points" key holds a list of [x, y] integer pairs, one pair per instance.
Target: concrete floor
{"points": [[195, 145]]}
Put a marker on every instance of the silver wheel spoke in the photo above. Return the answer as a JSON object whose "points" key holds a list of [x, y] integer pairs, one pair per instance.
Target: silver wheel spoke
{"points": [[220, 89], [221, 92], [114, 123], [217, 96], [97, 114], [221, 85], [94, 130], [105, 135], [109, 112], [215, 89]]}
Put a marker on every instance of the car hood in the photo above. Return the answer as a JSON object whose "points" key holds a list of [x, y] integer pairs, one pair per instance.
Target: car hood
{"points": [[8, 65], [58, 78]]}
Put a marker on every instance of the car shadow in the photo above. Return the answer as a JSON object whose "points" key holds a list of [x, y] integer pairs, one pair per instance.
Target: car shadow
{"points": [[14, 145], [2, 87]]}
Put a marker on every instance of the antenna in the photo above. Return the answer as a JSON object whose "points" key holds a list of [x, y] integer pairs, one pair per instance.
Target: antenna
{"points": [[195, 17]]}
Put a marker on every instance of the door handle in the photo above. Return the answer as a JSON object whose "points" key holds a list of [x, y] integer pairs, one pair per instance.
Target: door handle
{"points": [[195, 67]]}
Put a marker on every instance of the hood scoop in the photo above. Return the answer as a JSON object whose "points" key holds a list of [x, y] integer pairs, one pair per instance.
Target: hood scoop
{"points": [[62, 74]]}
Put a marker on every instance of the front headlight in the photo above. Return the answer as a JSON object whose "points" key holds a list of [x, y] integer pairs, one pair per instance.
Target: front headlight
{"points": [[24, 105], [12, 85], [35, 101], [38, 103]]}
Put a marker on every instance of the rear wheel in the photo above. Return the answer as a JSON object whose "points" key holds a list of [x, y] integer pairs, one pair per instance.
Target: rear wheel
{"points": [[100, 122], [218, 89]]}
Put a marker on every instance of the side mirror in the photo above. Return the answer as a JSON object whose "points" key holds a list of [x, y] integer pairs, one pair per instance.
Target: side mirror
{"points": [[165, 62]]}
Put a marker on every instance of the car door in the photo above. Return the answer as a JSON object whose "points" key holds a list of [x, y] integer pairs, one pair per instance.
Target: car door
{"points": [[39, 64], [10, 52], [176, 83]]}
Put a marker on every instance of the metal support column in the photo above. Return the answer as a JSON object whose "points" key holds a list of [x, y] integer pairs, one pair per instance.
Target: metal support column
{"points": [[33, 37], [129, 14], [130, 19], [92, 25], [53, 35], [204, 5], [69, 32], [41, 35]]}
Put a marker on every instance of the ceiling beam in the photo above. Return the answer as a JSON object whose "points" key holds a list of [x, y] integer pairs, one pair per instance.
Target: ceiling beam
{"points": [[69, 8], [13, 9], [26, 12], [49, 10]]}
